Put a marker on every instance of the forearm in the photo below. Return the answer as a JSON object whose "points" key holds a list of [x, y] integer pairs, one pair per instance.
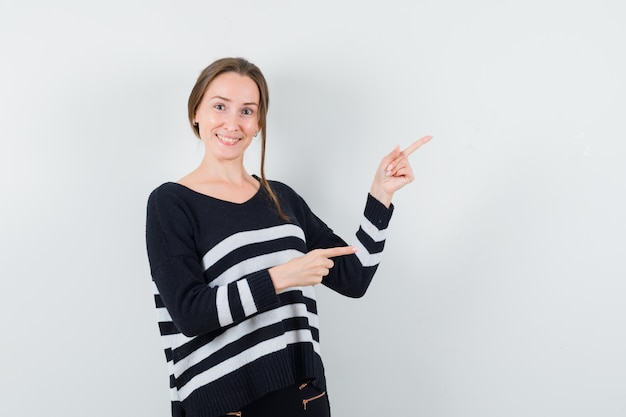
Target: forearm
{"points": [[196, 308], [352, 275]]}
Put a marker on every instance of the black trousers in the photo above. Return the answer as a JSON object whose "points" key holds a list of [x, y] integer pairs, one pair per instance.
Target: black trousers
{"points": [[297, 400]]}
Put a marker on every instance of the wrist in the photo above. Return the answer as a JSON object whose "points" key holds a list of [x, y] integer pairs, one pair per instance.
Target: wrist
{"points": [[380, 195], [277, 279]]}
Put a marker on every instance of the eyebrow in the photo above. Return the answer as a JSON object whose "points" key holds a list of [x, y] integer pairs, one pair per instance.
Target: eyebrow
{"points": [[229, 100]]}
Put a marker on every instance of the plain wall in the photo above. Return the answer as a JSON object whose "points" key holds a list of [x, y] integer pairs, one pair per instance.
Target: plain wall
{"points": [[501, 292]]}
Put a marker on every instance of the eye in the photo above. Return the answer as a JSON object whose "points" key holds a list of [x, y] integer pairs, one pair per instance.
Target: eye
{"points": [[219, 107], [247, 112]]}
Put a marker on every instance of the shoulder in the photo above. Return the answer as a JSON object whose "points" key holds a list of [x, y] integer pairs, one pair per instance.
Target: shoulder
{"points": [[172, 206], [291, 202], [170, 195], [163, 192], [283, 190], [287, 196]]}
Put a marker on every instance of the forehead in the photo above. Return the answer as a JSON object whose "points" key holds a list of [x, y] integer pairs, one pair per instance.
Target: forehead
{"points": [[235, 87]]}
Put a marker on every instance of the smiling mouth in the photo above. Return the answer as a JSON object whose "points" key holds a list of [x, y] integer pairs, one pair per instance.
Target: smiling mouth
{"points": [[228, 141]]}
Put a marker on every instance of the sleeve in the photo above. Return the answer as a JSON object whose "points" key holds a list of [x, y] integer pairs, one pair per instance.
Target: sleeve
{"points": [[352, 275], [192, 306]]}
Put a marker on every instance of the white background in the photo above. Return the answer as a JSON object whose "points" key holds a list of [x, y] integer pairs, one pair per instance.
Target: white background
{"points": [[502, 291]]}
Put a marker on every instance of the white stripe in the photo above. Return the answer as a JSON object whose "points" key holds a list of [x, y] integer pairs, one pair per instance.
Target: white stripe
{"points": [[173, 391], [174, 394], [163, 314], [255, 352], [378, 235], [240, 239], [252, 265], [223, 308], [366, 258], [172, 341], [249, 306], [308, 291], [178, 339], [242, 329]]}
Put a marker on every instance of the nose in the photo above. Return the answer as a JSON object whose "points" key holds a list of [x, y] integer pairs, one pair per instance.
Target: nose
{"points": [[231, 120]]}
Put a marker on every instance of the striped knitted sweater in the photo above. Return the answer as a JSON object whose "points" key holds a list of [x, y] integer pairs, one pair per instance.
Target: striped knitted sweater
{"points": [[228, 337]]}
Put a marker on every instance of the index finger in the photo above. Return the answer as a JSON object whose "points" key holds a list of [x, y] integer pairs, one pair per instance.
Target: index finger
{"points": [[415, 145], [338, 251]]}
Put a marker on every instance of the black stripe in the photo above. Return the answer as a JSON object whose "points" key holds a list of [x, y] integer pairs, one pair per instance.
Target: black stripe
{"points": [[234, 302], [295, 297], [246, 342], [246, 252], [286, 298], [168, 354], [315, 333], [158, 301], [369, 243], [168, 328]]}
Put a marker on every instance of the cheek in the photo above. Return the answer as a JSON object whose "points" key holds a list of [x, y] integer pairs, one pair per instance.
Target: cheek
{"points": [[250, 127], [255, 125], [210, 119], [206, 125]]}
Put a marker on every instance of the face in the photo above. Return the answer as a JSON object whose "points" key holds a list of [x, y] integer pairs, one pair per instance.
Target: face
{"points": [[227, 116]]}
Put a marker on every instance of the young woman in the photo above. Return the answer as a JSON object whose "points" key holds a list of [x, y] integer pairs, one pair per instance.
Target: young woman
{"points": [[234, 258]]}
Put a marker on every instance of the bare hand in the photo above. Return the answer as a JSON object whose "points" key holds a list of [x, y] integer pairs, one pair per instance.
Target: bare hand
{"points": [[394, 172], [308, 269]]}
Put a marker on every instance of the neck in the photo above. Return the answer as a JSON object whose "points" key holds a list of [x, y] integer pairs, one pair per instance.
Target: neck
{"points": [[229, 171]]}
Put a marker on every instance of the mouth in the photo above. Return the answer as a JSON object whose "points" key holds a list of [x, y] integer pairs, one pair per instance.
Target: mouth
{"points": [[226, 140]]}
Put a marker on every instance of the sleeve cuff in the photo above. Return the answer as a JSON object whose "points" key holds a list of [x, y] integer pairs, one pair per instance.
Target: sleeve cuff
{"points": [[263, 291], [377, 213]]}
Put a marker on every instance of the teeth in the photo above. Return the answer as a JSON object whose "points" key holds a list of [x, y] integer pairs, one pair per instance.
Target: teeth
{"points": [[230, 141]]}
